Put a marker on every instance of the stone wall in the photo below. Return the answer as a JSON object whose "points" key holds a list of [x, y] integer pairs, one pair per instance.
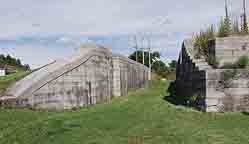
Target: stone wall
{"points": [[93, 76]]}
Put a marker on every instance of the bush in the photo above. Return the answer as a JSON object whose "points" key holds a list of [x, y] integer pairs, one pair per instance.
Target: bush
{"points": [[243, 62], [202, 40], [213, 61], [229, 66]]}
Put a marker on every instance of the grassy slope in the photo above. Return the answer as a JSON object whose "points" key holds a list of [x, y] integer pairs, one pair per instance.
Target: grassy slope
{"points": [[6, 81], [143, 113]]}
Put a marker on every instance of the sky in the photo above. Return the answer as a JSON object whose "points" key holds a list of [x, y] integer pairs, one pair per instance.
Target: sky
{"points": [[41, 31]]}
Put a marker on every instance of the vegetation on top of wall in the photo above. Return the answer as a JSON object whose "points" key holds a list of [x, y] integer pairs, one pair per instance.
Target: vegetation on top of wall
{"points": [[243, 62], [226, 27], [201, 41], [226, 77], [213, 61]]}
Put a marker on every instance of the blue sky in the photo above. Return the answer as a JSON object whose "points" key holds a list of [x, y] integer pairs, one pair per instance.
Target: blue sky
{"points": [[43, 30]]}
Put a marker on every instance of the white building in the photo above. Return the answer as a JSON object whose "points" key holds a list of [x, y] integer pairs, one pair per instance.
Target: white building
{"points": [[2, 72]]}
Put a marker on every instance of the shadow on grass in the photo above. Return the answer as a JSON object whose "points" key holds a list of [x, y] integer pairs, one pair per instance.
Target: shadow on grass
{"points": [[245, 113], [171, 95]]}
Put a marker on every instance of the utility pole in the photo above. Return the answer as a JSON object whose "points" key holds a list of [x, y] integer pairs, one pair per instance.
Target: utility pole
{"points": [[143, 49], [149, 49], [136, 47]]}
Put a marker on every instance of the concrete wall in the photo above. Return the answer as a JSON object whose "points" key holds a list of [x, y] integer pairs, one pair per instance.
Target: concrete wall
{"points": [[128, 75], [93, 76], [229, 49], [227, 90], [219, 90]]}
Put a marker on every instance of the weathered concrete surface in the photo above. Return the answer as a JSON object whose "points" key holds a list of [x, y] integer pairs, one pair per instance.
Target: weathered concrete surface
{"points": [[229, 49], [90, 77], [219, 90], [127, 75]]}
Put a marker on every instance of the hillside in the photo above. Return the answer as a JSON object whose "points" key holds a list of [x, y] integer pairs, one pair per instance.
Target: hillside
{"points": [[7, 80], [142, 116]]}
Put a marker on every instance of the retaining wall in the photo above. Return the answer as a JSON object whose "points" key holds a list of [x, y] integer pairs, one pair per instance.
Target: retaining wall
{"points": [[217, 90], [229, 49], [93, 76]]}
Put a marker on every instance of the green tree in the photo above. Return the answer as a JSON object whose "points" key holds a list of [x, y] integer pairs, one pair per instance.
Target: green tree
{"points": [[154, 55], [173, 64], [18, 62], [160, 68]]}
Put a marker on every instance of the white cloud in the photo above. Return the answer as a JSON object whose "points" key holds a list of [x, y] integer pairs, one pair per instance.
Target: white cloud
{"points": [[67, 23]]}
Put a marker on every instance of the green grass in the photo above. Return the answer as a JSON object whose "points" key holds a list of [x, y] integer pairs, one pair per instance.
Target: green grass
{"points": [[142, 115], [6, 81]]}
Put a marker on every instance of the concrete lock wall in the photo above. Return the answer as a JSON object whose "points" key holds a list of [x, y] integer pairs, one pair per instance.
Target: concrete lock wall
{"points": [[219, 90], [93, 76], [227, 90], [127, 75], [229, 49]]}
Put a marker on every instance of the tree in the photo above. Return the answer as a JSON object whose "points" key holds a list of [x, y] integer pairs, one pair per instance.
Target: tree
{"points": [[154, 55], [27, 67], [158, 66], [173, 64], [18, 62], [11, 61]]}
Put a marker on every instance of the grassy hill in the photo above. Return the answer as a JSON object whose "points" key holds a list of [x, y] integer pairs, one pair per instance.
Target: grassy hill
{"points": [[6, 81], [143, 117]]}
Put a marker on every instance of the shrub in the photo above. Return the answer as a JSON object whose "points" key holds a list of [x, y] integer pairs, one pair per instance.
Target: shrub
{"points": [[243, 62], [225, 79], [202, 40], [213, 61], [229, 66]]}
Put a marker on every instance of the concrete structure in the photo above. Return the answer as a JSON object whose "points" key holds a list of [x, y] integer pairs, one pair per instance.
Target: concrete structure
{"points": [[229, 49], [93, 76], [2, 72], [214, 90]]}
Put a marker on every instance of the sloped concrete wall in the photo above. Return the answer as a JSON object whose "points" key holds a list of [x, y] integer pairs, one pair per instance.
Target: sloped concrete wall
{"points": [[93, 76]]}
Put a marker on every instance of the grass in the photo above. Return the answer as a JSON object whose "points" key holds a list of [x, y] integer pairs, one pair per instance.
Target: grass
{"points": [[6, 81], [143, 117]]}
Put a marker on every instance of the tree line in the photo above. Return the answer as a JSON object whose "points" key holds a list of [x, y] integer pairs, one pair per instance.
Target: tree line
{"points": [[158, 66], [11, 61]]}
